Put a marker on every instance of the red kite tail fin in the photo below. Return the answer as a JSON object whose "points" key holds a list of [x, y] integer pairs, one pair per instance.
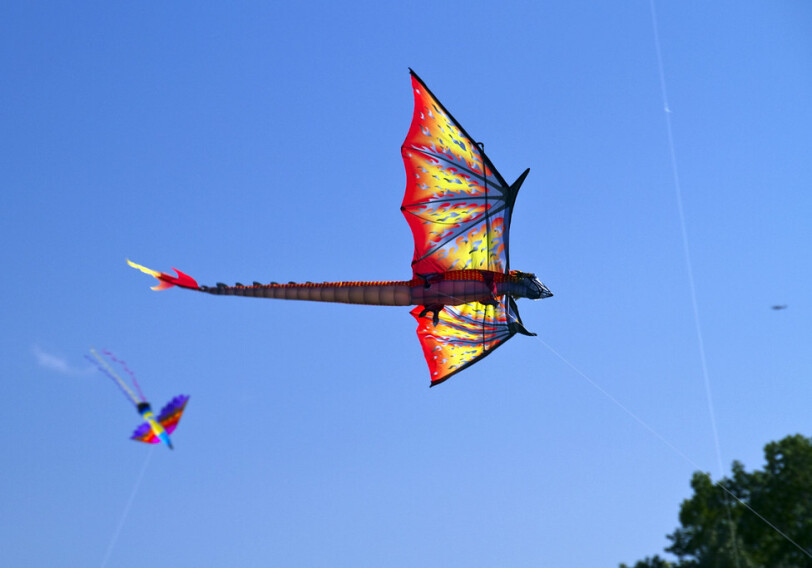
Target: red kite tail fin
{"points": [[167, 281]]}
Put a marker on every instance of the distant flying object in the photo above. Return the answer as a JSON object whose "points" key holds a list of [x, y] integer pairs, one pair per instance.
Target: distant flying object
{"points": [[459, 208], [781, 307], [153, 430]]}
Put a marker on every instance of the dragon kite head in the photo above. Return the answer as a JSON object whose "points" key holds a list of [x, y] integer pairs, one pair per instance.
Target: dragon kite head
{"points": [[534, 288]]}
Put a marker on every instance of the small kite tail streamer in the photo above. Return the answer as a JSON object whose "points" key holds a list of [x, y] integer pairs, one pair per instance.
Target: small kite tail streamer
{"points": [[138, 388], [111, 377], [126, 370], [107, 370]]}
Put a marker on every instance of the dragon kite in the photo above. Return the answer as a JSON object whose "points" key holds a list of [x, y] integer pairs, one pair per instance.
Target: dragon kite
{"points": [[153, 430], [459, 208]]}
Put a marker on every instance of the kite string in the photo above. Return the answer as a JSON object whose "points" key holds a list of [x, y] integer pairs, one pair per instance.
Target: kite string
{"points": [[685, 247], [666, 442], [127, 507], [692, 287]]}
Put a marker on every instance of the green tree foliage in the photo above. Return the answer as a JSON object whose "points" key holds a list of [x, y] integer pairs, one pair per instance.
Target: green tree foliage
{"points": [[655, 562], [727, 524]]}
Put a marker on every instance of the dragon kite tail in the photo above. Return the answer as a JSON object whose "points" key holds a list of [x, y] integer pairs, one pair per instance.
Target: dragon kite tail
{"points": [[166, 280]]}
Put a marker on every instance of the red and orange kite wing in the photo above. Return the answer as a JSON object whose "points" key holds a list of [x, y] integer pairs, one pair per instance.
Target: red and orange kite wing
{"points": [[456, 202], [465, 334]]}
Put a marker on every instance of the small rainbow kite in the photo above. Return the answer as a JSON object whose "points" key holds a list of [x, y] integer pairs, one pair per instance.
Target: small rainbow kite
{"points": [[153, 430]]}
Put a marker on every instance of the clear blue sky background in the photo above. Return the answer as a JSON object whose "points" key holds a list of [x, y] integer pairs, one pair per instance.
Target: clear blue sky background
{"points": [[260, 141]]}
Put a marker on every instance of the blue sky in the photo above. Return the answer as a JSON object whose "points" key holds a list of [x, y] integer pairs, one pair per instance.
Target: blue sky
{"points": [[260, 141]]}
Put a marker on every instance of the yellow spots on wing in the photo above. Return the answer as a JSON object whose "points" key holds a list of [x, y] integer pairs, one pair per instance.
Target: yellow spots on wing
{"points": [[436, 132], [478, 249], [462, 335], [456, 214]]}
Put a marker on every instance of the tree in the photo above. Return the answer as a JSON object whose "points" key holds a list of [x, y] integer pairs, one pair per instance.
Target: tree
{"points": [[728, 524], [654, 562]]}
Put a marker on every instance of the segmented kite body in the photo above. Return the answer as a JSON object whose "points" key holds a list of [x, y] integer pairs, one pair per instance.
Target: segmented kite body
{"points": [[393, 293], [449, 288]]}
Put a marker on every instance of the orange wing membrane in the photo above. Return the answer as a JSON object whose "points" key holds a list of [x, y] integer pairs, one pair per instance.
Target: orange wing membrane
{"points": [[456, 202], [465, 334]]}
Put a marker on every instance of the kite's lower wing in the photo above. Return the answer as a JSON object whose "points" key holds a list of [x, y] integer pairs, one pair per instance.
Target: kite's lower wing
{"points": [[465, 334], [171, 413], [144, 433]]}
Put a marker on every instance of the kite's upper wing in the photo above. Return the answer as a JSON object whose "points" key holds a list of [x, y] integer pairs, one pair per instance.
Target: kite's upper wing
{"points": [[456, 203], [171, 413], [144, 433], [465, 334]]}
